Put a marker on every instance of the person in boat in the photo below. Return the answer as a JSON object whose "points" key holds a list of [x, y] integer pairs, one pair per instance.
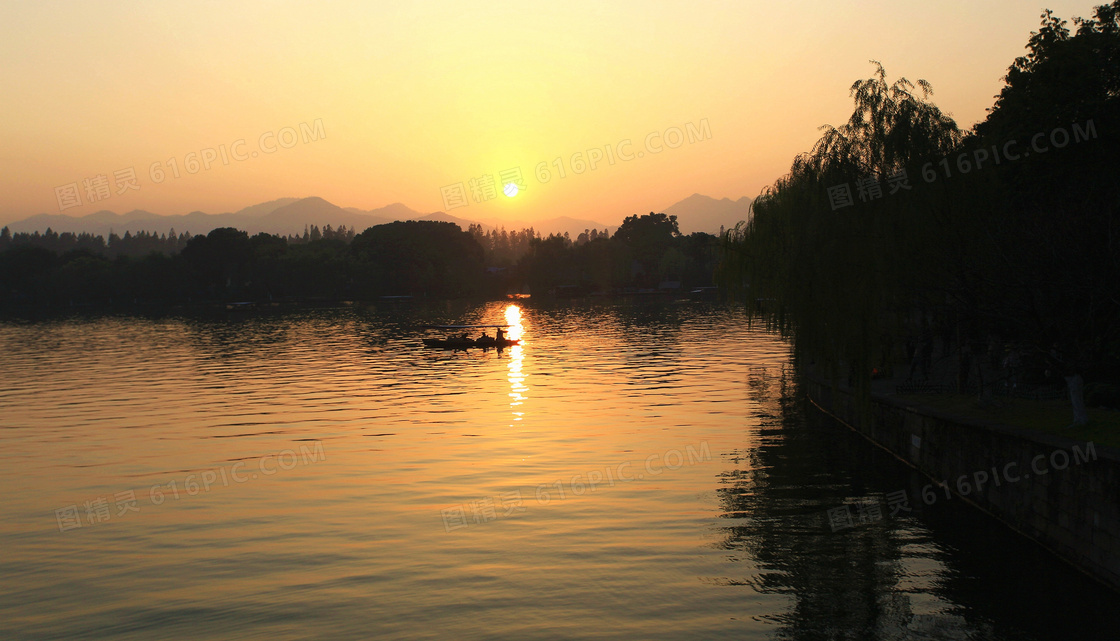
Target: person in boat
{"points": [[485, 338], [501, 336]]}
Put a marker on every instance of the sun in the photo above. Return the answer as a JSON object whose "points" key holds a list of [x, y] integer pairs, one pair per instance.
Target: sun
{"points": [[510, 189]]}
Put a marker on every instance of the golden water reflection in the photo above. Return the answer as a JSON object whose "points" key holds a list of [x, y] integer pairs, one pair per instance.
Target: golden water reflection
{"points": [[517, 387], [513, 319], [577, 517]]}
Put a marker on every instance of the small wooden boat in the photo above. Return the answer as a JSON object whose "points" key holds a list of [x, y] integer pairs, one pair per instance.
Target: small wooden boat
{"points": [[467, 343], [455, 340]]}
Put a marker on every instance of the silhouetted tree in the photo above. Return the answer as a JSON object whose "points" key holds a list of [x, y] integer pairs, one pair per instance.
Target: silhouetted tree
{"points": [[830, 279], [219, 258], [418, 258]]}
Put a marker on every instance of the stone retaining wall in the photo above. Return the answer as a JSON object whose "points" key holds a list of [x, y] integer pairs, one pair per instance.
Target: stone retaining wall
{"points": [[1062, 493]]}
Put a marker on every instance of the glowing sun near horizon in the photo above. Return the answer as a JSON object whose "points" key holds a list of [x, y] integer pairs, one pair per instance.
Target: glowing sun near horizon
{"points": [[510, 189]]}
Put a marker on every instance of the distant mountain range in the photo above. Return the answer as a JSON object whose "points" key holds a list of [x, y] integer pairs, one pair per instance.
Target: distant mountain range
{"points": [[282, 216], [291, 215], [704, 213]]}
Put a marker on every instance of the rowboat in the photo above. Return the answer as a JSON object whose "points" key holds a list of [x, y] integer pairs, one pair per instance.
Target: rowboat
{"points": [[460, 343], [456, 341]]}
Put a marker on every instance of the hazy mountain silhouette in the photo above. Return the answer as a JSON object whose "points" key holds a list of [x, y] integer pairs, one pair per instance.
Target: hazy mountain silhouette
{"points": [[704, 213], [264, 209], [110, 217], [281, 216], [394, 211], [291, 215]]}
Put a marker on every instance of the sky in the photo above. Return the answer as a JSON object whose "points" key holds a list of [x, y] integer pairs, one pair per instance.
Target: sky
{"points": [[605, 108]]}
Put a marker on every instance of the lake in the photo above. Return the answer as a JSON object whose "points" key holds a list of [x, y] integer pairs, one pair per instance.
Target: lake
{"points": [[631, 471]]}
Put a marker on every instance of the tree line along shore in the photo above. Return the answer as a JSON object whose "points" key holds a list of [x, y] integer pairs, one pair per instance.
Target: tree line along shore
{"points": [[412, 258]]}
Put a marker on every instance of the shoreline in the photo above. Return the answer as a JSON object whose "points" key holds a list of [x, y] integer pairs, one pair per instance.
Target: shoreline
{"points": [[1054, 490]]}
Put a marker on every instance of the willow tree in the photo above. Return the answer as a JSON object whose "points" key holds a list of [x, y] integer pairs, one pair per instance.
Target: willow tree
{"points": [[838, 274], [1023, 251]]}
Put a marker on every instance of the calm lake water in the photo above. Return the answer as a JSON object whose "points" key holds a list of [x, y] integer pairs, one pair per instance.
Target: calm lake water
{"points": [[630, 472]]}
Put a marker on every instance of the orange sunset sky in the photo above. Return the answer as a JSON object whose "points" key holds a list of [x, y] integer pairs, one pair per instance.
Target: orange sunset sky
{"points": [[410, 98]]}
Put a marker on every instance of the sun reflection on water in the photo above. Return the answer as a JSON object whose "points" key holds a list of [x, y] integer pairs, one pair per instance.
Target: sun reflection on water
{"points": [[513, 319], [517, 393]]}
